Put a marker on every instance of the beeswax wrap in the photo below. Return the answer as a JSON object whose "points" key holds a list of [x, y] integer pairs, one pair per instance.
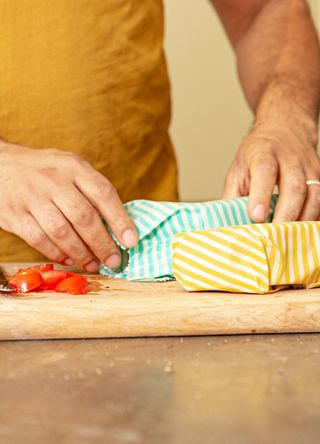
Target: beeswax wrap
{"points": [[158, 222], [251, 259]]}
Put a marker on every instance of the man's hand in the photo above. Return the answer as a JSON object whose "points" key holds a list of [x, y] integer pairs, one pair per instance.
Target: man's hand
{"points": [[278, 59], [52, 200], [276, 154]]}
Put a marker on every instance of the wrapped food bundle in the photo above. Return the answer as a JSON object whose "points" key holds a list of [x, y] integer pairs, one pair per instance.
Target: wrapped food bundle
{"points": [[249, 259], [158, 222]]}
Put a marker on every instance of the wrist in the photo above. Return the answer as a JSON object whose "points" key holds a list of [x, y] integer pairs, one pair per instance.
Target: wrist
{"points": [[290, 120], [2, 146]]}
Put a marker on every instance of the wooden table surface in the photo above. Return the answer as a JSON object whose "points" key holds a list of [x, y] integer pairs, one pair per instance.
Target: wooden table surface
{"points": [[225, 389]]}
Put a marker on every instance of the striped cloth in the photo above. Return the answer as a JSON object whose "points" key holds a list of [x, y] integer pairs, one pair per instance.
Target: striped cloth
{"points": [[158, 222], [250, 259]]}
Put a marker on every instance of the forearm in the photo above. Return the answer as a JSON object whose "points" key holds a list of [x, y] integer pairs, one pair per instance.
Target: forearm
{"points": [[278, 59], [279, 65]]}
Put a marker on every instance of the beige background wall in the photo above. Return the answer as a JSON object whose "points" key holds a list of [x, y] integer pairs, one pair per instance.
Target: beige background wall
{"points": [[210, 115]]}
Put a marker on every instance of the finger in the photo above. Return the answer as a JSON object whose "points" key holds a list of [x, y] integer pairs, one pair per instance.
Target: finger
{"points": [[88, 224], [263, 172], [237, 181], [30, 231], [292, 194], [311, 209], [104, 197], [63, 235], [231, 188]]}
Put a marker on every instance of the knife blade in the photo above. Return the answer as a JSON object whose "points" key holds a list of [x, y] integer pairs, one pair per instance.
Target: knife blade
{"points": [[5, 287]]}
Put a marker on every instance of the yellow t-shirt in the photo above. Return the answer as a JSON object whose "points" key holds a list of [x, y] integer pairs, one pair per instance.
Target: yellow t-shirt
{"points": [[88, 76]]}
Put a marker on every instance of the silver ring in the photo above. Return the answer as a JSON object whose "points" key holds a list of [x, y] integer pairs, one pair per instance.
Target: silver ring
{"points": [[313, 182]]}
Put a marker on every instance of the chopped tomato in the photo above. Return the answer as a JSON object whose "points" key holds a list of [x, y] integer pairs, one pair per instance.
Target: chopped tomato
{"points": [[74, 285], [52, 277], [42, 268], [45, 277], [26, 280]]}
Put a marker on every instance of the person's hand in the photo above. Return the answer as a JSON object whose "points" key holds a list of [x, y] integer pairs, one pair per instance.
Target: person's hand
{"points": [[52, 199], [277, 154]]}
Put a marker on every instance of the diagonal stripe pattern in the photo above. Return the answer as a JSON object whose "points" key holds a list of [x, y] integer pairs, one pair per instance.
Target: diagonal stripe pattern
{"points": [[157, 224], [250, 258]]}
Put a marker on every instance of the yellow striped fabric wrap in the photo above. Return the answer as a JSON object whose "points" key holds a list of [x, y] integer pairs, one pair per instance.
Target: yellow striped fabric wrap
{"points": [[249, 258]]}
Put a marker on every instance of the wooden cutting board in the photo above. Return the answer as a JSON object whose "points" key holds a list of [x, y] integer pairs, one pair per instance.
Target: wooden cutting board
{"points": [[117, 308]]}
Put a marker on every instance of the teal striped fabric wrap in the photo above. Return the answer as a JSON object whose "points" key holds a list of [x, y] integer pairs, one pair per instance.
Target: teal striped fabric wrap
{"points": [[158, 222]]}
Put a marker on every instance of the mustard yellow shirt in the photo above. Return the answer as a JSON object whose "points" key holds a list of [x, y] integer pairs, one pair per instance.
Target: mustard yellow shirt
{"points": [[88, 76]]}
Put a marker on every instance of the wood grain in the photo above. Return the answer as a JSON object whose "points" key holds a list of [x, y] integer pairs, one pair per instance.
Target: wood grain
{"points": [[117, 308]]}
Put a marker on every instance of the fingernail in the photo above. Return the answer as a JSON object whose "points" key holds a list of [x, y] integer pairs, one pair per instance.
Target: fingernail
{"points": [[259, 213], [92, 266], [113, 261], [68, 261], [129, 238]]}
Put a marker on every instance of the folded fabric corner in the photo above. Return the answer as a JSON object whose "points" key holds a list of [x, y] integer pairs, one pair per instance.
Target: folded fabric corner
{"points": [[258, 259], [223, 259]]}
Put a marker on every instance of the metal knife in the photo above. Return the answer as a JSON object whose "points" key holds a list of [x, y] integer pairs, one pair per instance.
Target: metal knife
{"points": [[5, 287]]}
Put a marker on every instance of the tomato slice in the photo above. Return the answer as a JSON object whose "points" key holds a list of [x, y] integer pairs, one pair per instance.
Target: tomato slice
{"points": [[75, 284], [52, 277], [26, 280], [45, 277], [41, 268]]}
